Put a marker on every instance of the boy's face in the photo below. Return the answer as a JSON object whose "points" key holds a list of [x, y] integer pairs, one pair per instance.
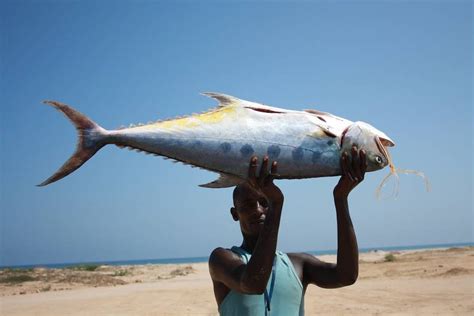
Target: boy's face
{"points": [[250, 209]]}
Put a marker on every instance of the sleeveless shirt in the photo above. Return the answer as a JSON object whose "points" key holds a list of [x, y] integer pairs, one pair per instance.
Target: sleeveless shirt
{"points": [[286, 299]]}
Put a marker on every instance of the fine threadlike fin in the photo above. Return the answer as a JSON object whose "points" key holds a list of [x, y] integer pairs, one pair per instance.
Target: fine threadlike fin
{"points": [[223, 99], [90, 139], [224, 181], [394, 173]]}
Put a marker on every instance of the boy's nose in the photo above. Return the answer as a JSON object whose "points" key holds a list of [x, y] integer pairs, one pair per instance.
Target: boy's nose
{"points": [[262, 209]]}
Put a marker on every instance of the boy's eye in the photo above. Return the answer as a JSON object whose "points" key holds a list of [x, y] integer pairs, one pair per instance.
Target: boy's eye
{"points": [[263, 202]]}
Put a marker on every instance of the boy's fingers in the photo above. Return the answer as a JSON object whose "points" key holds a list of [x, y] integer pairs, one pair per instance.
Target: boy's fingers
{"points": [[273, 172], [363, 162], [355, 170], [253, 167], [264, 168], [274, 168], [345, 165]]}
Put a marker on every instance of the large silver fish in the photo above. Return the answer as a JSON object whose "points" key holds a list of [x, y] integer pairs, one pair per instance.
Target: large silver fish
{"points": [[306, 144]]}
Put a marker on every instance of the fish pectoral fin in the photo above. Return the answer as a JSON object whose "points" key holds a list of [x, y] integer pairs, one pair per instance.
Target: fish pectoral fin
{"points": [[224, 181]]}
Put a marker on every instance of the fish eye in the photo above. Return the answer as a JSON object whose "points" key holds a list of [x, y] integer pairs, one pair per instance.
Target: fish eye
{"points": [[378, 159]]}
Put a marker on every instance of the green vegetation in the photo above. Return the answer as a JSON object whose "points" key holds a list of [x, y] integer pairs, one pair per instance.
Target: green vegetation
{"points": [[121, 273], [15, 279], [84, 267], [182, 271], [16, 270], [390, 258]]}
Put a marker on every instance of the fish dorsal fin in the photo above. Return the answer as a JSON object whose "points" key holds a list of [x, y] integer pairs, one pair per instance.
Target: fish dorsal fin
{"points": [[224, 181], [223, 99], [327, 117], [332, 125], [228, 100], [316, 112]]}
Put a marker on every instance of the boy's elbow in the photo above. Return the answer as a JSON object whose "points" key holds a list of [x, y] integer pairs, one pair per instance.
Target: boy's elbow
{"points": [[254, 289], [346, 277], [348, 280], [253, 286]]}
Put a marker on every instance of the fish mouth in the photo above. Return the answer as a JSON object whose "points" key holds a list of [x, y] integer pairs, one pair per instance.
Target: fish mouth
{"points": [[384, 153]]}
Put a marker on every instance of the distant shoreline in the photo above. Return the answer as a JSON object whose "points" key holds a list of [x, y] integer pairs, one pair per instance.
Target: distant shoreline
{"points": [[188, 260], [409, 282]]}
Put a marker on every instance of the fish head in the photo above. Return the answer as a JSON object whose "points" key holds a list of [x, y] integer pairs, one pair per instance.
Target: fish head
{"points": [[376, 143], [370, 139]]}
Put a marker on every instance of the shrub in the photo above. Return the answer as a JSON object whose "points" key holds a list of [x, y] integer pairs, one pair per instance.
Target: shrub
{"points": [[19, 278], [390, 258], [85, 267], [121, 273]]}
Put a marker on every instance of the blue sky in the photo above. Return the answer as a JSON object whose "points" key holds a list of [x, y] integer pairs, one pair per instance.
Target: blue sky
{"points": [[405, 67]]}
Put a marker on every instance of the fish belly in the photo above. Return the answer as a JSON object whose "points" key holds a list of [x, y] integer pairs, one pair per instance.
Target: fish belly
{"points": [[298, 152]]}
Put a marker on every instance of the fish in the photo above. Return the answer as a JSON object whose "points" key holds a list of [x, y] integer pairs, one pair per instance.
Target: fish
{"points": [[306, 144]]}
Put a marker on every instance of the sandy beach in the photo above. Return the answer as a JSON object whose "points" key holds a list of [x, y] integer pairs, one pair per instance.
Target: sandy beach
{"points": [[425, 282]]}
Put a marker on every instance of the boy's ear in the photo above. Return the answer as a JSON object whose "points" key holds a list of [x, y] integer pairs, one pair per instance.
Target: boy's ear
{"points": [[235, 216]]}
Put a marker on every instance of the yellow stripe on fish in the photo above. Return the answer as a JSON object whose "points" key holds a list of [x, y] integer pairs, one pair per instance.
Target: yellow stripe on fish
{"points": [[212, 117]]}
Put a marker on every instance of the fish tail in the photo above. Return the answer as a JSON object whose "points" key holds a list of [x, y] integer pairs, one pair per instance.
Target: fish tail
{"points": [[91, 138]]}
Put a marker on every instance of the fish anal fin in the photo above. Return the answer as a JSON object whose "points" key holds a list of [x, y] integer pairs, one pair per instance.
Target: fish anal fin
{"points": [[224, 181]]}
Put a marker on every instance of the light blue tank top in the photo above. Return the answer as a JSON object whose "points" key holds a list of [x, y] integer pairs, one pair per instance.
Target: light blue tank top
{"points": [[286, 298]]}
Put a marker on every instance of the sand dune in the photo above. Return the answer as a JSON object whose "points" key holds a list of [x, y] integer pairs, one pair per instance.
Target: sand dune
{"points": [[408, 282]]}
